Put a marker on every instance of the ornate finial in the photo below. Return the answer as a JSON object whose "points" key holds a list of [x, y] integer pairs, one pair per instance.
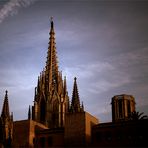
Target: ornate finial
{"points": [[51, 18], [6, 92], [75, 78]]}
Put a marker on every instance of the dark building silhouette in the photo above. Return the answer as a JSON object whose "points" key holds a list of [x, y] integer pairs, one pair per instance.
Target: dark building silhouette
{"points": [[121, 134], [55, 121]]}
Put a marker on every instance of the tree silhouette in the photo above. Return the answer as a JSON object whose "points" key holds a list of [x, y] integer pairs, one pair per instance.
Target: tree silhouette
{"points": [[138, 116]]}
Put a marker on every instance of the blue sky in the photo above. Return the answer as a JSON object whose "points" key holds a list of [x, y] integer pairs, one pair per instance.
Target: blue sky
{"points": [[103, 43]]}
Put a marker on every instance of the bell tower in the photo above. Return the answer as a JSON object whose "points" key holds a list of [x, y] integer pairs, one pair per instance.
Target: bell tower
{"points": [[6, 123], [122, 107]]}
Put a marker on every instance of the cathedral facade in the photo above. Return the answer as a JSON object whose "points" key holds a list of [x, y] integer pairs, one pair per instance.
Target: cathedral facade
{"points": [[55, 120], [52, 108]]}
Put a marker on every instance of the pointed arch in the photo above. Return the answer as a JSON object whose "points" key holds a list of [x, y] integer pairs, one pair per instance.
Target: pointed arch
{"points": [[42, 110]]}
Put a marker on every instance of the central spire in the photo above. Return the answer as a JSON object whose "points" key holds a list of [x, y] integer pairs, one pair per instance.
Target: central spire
{"points": [[51, 69], [51, 97]]}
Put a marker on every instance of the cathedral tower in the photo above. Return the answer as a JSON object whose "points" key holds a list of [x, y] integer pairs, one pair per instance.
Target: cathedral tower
{"points": [[51, 100], [6, 123], [122, 107]]}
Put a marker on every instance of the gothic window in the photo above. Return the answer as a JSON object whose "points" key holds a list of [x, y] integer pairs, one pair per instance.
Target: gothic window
{"points": [[128, 107], [120, 108], [42, 110], [55, 114]]}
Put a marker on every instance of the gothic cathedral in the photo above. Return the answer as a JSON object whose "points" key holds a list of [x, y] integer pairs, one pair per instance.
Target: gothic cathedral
{"points": [[56, 121]]}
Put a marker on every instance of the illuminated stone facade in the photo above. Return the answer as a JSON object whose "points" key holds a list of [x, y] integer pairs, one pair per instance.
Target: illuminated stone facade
{"points": [[24, 133]]}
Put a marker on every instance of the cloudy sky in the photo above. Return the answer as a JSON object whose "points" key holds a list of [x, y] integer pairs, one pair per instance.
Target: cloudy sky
{"points": [[103, 43]]}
